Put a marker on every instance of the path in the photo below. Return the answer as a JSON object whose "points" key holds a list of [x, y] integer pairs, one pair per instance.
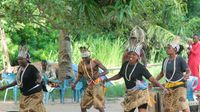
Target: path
{"points": [[69, 106]]}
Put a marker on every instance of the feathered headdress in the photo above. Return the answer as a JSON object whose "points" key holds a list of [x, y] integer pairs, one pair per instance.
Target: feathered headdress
{"points": [[138, 33], [136, 49], [23, 51], [176, 43]]}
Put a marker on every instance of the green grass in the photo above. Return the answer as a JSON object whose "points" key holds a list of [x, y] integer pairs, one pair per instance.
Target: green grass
{"points": [[109, 52], [117, 90], [9, 95]]}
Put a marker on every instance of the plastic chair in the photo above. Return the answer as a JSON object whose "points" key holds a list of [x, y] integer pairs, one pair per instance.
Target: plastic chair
{"points": [[75, 69], [8, 79], [49, 92], [78, 91], [192, 83], [46, 97], [63, 88], [107, 84]]}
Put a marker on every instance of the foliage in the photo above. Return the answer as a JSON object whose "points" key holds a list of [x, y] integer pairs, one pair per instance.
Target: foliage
{"points": [[42, 44], [108, 51], [37, 22]]}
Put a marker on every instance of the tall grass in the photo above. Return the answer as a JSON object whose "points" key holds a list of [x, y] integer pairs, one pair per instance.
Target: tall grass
{"points": [[108, 51]]}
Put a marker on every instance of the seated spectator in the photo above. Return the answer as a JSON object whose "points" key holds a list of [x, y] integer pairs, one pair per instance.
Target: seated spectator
{"points": [[48, 73]]}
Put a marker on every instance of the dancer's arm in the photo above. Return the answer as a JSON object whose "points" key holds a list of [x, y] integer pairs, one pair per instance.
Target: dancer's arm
{"points": [[187, 74], [155, 82], [39, 78], [116, 77], [159, 76], [9, 85], [79, 75], [76, 81], [100, 65]]}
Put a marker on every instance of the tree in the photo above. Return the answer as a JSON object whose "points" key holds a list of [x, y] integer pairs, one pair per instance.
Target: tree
{"points": [[5, 53], [59, 14], [161, 20]]}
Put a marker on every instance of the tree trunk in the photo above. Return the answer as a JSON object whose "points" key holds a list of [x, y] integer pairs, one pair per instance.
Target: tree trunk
{"points": [[64, 56], [5, 54]]}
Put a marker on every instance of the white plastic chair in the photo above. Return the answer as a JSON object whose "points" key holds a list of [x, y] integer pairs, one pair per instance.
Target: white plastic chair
{"points": [[8, 79]]}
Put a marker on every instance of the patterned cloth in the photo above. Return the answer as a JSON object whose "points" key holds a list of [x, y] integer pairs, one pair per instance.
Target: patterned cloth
{"points": [[94, 95], [135, 98], [176, 100], [32, 103]]}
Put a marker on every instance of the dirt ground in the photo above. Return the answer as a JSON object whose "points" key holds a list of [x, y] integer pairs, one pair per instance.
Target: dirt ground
{"points": [[69, 106]]}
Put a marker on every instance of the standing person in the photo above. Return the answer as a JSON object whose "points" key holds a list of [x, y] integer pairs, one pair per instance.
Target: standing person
{"points": [[94, 93], [132, 71], [194, 59], [28, 80], [173, 69], [136, 37]]}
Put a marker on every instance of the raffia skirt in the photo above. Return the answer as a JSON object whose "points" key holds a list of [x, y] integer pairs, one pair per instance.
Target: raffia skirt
{"points": [[32, 103], [94, 96], [135, 98], [176, 100]]}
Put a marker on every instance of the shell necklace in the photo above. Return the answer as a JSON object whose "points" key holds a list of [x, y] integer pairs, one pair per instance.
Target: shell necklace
{"points": [[20, 79], [87, 70], [174, 70], [126, 76]]}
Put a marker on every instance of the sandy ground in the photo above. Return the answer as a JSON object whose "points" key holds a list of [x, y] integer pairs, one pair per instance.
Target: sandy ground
{"points": [[69, 106]]}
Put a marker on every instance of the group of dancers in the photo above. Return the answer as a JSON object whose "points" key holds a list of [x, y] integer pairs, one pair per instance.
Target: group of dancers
{"points": [[134, 71]]}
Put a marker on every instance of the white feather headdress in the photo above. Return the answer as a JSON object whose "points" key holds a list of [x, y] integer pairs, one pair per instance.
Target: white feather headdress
{"points": [[136, 49], [23, 51], [176, 43]]}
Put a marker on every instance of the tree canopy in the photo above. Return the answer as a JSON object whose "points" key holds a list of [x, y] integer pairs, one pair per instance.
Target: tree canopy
{"points": [[38, 22]]}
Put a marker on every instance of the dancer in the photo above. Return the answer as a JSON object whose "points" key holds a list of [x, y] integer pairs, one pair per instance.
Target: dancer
{"points": [[94, 93], [28, 80], [132, 71], [173, 69]]}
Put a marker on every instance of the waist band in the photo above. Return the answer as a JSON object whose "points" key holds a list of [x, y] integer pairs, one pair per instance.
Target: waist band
{"points": [[34, 87], [174, 84]]}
